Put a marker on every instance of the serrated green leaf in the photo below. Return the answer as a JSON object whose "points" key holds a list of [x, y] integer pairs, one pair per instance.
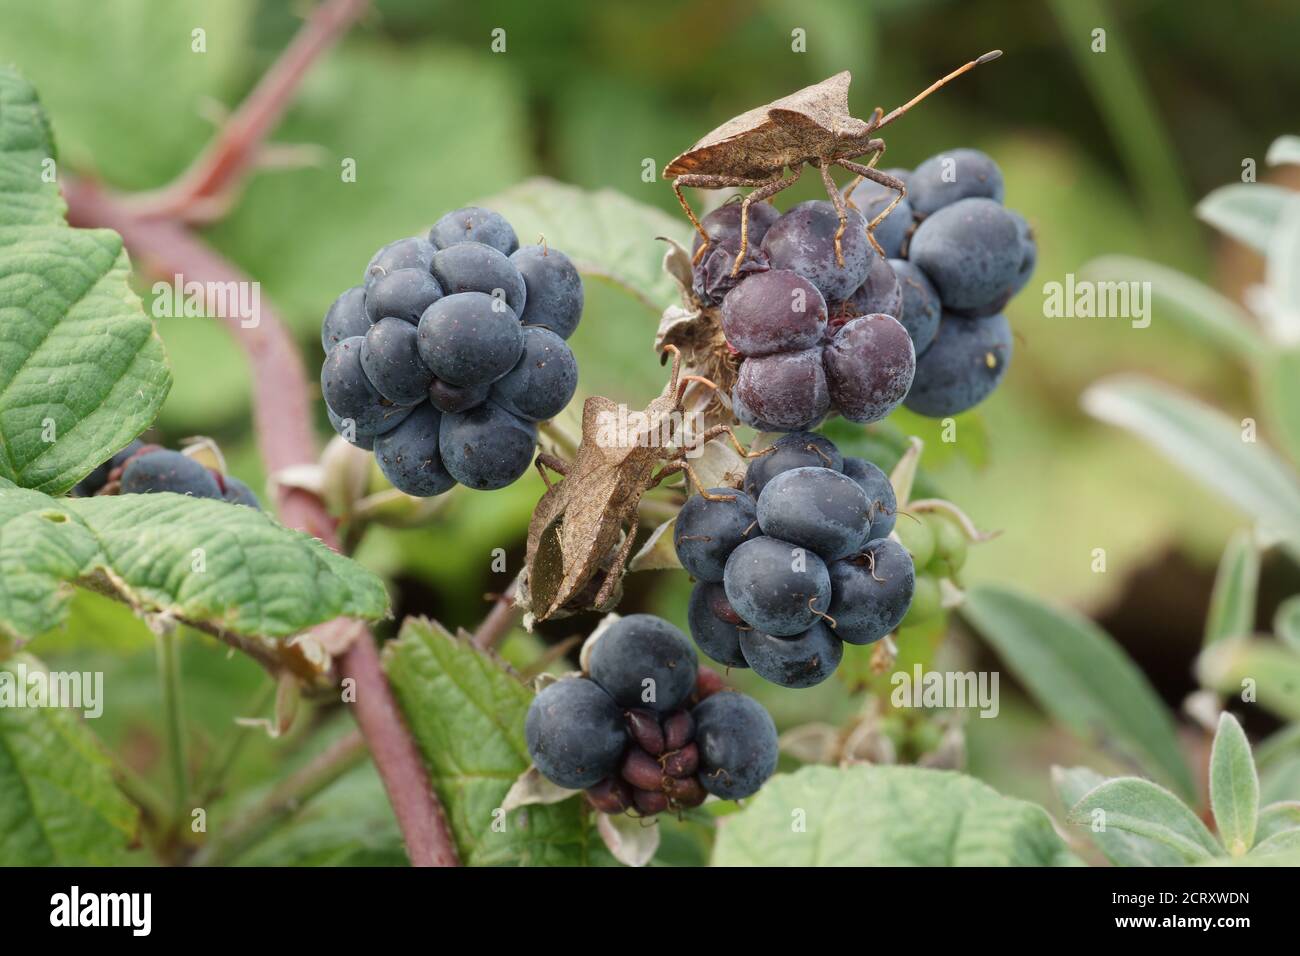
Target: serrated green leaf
{"points": [[1286, 623], [1141, 807], [1197, 307], [1276, 817], [201, 560], [1119, 846], [1207, 445], [607, 235], [82, 371], [1234, 786], [29, 196], [868, 815], [59, 805], [1248, 212], [1236, 585], [467, 715], [1268, 670], [1078, 674]]}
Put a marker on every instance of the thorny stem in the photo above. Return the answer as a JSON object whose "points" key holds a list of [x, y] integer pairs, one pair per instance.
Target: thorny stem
{"points": [[164, 247], [285, 799], [202, 192], [499, 620]]}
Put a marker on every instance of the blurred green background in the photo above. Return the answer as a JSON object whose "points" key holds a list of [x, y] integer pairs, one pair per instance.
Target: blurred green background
{"points": [[1102, 152]]}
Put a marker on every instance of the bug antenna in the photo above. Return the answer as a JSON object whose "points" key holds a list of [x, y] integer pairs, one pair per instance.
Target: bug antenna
{"points": [[896, 113]]}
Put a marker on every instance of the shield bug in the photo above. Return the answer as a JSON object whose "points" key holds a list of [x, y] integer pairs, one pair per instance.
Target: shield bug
{"points": [[580, 520], [810, 127]]}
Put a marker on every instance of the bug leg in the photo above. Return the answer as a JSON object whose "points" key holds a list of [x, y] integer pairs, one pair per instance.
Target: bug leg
{"points": [[615, 570], [557, 465], [764, 191], [877, 149], [674, 374], [690, 214], [706, 181], [884, 179], [833, 194], [667, 471]]}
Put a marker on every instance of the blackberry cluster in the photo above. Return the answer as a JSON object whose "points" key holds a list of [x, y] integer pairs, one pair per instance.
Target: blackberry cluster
{"points": [[141, 468], [959, 257], [449, 353], [925, 328], [794, 564], [644, 731]]}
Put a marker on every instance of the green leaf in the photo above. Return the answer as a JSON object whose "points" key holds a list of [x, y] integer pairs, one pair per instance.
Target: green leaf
{"points": [[868, 815], [350, 824], [1284, 149], [1280, 781], [606, 234], [58, 803], [1286, 622], [1234, 786], [1197, 307], [1284, 841], [1139, 806], [1080, 676], [1248, 212], [1279, 387], [1232, 602], [82, 371], [1120, 847], [1282, 275], [203, 561], [467, 714], [1270, 669], [27, 197], [1276, 817], [1207, 445], [107, 92]]}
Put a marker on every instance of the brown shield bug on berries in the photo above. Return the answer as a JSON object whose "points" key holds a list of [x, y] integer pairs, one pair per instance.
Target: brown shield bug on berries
{"points": [[810, 127]]}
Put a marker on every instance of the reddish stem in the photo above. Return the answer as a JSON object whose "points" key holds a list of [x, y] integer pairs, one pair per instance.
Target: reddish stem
{"points": [[163, 247], [202, 190]]}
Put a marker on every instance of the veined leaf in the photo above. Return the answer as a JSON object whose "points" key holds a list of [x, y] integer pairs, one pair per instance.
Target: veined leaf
{"points": [[1236, 585], [82, 370], [467, 714], [1234, 786], [603, 232], [867, 815], [1199, 308], [1248, 212], [1121, 847], [1079, 675], [207, 562], [1207, 445], [1141, 807], [58, 803]]}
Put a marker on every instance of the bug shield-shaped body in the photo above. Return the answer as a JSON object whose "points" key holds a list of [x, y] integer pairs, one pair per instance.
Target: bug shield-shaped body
{"points": [[809, 125], [593, 510]]}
